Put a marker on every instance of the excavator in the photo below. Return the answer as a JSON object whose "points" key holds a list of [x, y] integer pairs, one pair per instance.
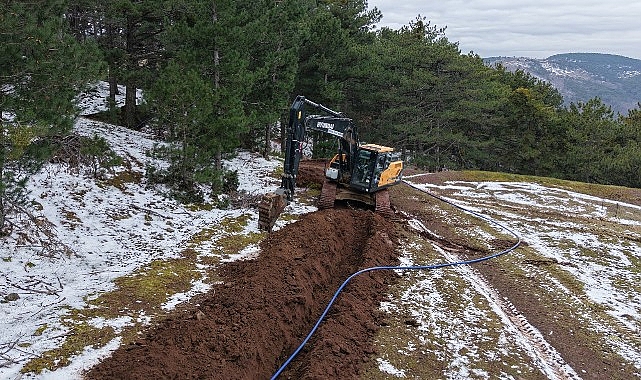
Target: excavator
{"points": [[357, 172]]}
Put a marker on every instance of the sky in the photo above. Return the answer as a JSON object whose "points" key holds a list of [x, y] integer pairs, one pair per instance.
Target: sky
{"points": [[526, 28]]}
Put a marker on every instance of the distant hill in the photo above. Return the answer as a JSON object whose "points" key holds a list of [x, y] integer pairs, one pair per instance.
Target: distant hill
{"points": [[582, 76]]}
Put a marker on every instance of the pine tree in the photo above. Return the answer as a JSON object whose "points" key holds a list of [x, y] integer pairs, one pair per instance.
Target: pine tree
{"points": [[209, 38], [42, 68], [199, 99], [273, 34], [128, 33], [184, 103], [330, 49], [412, 81], [593, 134]]}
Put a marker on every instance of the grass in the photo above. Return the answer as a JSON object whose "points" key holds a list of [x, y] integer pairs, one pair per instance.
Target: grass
{"points": [[228, 245], [616, 193], [122, 178], [81, 335], [148, 288], [140, 296]]}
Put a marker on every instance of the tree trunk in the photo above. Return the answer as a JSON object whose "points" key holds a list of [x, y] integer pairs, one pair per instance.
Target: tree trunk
{"points": [[218, 160], [3, 185], [268, 138], [130, 105], [283, 135], [3, 212], [113, 84], [216, 79], [113, 87], [130, 92]]}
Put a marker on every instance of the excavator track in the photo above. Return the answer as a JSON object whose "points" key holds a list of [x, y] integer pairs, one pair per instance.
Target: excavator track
{"points": [[328, 195], [383, 204]]}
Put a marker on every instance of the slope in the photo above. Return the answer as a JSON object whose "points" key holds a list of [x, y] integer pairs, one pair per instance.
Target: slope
{"points": [[616, 80], [138, 276]]}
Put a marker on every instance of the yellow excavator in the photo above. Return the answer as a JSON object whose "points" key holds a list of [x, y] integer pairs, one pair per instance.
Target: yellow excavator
{"points": [[361, 173]]}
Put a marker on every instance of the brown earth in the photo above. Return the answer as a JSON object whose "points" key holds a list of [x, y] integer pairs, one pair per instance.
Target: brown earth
{"points": [[248, 326]]}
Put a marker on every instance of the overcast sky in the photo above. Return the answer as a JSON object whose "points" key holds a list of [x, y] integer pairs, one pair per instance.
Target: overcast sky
{"points": [[536, 29]]}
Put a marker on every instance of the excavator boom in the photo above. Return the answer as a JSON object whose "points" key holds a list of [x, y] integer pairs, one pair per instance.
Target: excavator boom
{"points": [[356, 172]]}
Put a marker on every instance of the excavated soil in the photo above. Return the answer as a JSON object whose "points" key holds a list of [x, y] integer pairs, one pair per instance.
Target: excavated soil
{"points": [[246, 327]]}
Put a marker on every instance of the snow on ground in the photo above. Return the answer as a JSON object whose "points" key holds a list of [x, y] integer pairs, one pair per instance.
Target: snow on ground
{"points": [[462, 323], [606, 264], [109, 231], [134, 225]]}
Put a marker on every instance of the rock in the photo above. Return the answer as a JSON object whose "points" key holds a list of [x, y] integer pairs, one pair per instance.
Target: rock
{"points": [[11, 297]]}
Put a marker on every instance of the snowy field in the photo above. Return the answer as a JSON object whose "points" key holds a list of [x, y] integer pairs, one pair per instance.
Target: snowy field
{"points": [[103, 233], [461, 320]]}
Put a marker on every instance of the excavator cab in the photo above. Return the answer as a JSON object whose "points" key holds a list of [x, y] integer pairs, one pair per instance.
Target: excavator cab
{"points": [[363, 174], [376, 167]]}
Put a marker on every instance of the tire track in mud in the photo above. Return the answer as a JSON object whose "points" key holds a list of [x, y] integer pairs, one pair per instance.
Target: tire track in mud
{"points": [[543, 354]]}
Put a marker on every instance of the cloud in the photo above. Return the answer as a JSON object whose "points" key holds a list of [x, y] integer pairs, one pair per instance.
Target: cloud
{"points": [[527, 28]]}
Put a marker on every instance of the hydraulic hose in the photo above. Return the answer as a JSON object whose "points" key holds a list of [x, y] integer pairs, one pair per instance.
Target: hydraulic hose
{"points": [[413, 267]]}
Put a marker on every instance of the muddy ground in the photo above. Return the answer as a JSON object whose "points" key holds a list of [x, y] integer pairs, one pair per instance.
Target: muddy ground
{"points": [[246, 327]]}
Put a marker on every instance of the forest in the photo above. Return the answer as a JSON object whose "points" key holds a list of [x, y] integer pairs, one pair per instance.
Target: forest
{"points": [[218, 75]]}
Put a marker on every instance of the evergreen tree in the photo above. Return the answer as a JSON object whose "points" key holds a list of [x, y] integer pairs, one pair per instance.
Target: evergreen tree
{"points": [[143, 22], [184, 105], [630, 160], [42, 68], [102, 22], [128, 33], [594, 137], [530, 138], [419, 91], [209, 38], [273, 32], [329, 49], [200, 97]]}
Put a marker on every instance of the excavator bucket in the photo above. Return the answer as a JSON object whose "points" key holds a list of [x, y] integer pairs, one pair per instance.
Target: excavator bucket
{"points": [[269, 208]]}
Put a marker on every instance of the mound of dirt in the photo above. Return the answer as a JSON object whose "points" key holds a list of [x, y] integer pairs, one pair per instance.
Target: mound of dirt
{"points": [[248, 326], [311, 172]]}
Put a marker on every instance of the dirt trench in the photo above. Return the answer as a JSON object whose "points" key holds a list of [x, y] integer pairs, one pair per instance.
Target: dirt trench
{"points": [[248, 326]]}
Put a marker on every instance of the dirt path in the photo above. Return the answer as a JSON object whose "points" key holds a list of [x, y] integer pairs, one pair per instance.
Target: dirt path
{"points": [[548, 359], [564, 346]]}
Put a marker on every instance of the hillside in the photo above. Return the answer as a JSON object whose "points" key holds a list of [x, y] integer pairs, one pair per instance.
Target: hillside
{"points": [[139, 284], [582, 76]]}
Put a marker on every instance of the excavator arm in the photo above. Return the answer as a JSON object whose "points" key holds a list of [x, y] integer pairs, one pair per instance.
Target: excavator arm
{"points": [[272, 204]]}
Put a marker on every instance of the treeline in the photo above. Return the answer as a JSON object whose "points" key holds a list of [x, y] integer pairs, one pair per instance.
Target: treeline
{"points": [[218, 75]]}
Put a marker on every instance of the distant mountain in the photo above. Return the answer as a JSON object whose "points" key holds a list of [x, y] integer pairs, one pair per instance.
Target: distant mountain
{"points": [[582, 76]]}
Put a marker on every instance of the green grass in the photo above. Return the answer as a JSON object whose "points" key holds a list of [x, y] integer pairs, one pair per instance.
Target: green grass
{"points": [[143, 293], [616, 193]]}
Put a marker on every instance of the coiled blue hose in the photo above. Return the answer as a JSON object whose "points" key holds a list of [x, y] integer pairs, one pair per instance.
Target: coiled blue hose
{"points": [[413, 267]]}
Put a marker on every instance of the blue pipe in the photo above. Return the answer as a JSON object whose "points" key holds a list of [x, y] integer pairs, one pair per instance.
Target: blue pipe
{"points": [[413, 267]]}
